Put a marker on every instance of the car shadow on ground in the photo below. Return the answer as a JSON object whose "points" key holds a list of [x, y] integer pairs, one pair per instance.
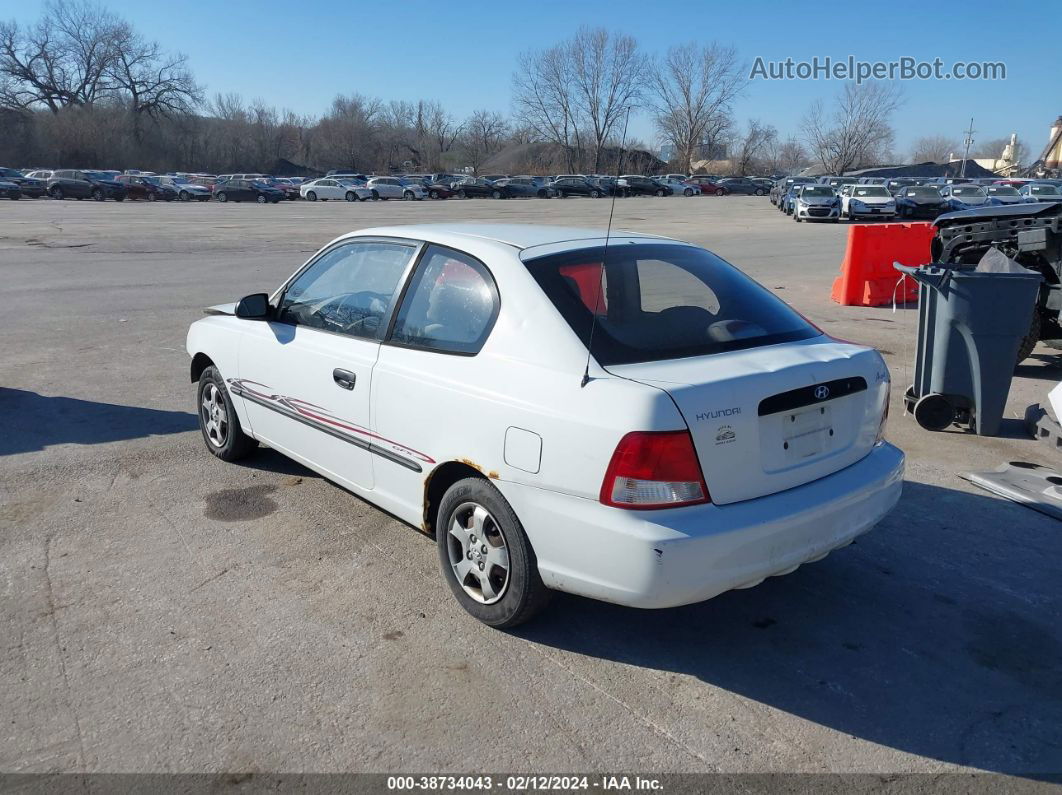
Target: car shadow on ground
{"points": [[34, 422], [936, 634]]}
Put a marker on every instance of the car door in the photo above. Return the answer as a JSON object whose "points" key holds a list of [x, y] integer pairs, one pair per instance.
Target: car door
{"points": [[305, 375]]}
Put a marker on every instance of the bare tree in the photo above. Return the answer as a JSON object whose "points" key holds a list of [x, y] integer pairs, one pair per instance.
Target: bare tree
{"points": [[691, 91], [788, 157], [751, 146], [60, 61], [546, 102], [484, 133], [608, 76], [856, 131], [934, 149], [156, 83]]}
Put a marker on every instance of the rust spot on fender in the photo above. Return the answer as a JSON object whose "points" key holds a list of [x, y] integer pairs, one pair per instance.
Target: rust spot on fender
{"points": [[492, 475], [471, 463]]}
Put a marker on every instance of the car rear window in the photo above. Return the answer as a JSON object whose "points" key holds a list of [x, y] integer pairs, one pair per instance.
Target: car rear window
{"points": [[662, 301]]}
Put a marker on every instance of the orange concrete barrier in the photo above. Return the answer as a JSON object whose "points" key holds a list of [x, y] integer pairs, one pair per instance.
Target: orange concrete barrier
{"points": [[867, 276]]}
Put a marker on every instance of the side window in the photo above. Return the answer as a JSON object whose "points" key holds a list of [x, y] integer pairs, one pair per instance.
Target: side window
{"points": [[450, 305], [348, 289]]}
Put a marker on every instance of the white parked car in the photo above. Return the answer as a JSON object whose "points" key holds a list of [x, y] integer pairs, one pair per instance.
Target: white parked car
{"points": [[327, 188], [396, 188], [186, 189], [816, 203], [867, 201], [712, 437]]}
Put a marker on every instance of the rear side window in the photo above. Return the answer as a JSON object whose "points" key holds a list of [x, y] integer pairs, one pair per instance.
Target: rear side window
{"points": [[450, 306], [663, 301]]}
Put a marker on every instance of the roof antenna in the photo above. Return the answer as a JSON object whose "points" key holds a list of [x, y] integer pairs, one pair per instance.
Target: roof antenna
{"points": [[604, 253]]}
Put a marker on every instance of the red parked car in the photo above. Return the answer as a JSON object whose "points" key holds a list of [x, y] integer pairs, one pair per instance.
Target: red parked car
{"points": [[708, 186]]}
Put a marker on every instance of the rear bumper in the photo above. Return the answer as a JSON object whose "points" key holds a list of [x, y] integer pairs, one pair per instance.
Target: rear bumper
{"points": [[654, 559]]}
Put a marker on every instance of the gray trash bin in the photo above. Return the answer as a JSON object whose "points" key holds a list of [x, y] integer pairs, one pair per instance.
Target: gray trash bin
{"points": [[970, 324]]}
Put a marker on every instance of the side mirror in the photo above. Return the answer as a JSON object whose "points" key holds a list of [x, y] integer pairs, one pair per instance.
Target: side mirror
{"points": [[253, 307]]}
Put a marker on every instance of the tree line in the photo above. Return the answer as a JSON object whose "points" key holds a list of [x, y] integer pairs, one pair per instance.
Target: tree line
{"points": [[81, 86]]}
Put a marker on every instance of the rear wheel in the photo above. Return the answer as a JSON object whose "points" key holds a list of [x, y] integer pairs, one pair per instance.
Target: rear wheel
{"points": [[97, 194], [408, 195], [659, 193], [261, 198], [434, 194], [151, 197], [485, 556], [375, 195], [687, 192], [595, 194], [495, 194], [218, 420], [462, 195], [351, 196]]}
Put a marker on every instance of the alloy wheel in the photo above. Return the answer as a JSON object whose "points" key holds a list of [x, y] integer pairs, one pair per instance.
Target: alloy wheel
{"points": [[478, 553], [214, 416]]}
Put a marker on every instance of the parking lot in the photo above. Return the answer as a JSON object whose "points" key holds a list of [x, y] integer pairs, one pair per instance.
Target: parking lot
{"points": [[164, 611]]}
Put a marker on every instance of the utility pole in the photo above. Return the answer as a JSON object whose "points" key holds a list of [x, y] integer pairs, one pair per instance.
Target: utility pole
{"points": [[967, 140]]}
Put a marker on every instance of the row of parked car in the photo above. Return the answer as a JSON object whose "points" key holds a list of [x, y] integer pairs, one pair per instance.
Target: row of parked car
{"points": [[264, 188], [832, 198]]}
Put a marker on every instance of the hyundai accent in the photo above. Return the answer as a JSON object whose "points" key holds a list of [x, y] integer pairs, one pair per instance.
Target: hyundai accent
{"points": [[630, 419]]}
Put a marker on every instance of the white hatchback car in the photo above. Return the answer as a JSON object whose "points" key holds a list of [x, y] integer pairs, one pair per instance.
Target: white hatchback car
{"points": [[710, 437]]}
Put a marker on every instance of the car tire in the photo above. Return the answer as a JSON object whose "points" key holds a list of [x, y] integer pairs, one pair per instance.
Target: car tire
{"points": [[723, 192], [261, 198], [462, 195], [97, 195], [542, 194], [218, 421], [434, 194], [1029, 341], [151, 197], [375, 195], [222, 197], [311, 196], [518, 592], [796, 217], [408, 196], [495, 194], [119, 198], [687, 192], [184, 196], [595, 194], [351, 196], [759, 191]]}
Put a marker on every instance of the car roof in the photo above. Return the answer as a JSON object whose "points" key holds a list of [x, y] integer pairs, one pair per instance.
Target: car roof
{"points": [[519, 236]]}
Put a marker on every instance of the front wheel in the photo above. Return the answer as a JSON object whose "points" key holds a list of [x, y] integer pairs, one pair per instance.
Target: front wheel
{"points": [[408, 196], [485, 556], [687, 192], [311, 196], [222, 197], [218, 420], [659, 193], [97, 194], [495, 194], [184, 196], [461, 194], [759, 192], [151, 197]]}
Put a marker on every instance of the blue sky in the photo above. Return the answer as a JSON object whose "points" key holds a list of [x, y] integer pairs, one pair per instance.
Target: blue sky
{"points": [[299, 55]]}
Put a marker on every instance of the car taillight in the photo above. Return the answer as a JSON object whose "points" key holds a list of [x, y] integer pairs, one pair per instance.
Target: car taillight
{"points": [[654, 469], [884, 413]]}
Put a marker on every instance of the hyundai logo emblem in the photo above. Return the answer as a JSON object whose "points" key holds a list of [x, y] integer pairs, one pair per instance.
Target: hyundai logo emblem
{"points": [[822, 392]]}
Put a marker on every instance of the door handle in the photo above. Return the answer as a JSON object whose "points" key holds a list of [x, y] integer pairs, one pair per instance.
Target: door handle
{"points": [[344, 378]]}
